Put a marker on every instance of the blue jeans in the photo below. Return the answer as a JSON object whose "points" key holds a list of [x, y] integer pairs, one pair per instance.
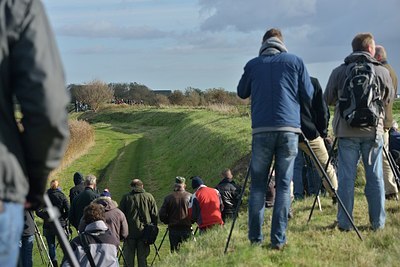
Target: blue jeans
{"points": [[298, 186], [26, 250], [349, 150], [266, 146], [11, 226], [51, 242]]}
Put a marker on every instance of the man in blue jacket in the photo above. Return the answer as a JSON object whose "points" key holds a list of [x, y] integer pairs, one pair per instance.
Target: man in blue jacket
{"points": [[277, 82]]}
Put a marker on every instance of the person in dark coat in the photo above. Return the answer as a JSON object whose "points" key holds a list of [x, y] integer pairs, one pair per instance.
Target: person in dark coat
{"points": [[78, 188], [60, 201], [314, 125], [174, 212], [82, 200], [31, 81], [229, 192]]}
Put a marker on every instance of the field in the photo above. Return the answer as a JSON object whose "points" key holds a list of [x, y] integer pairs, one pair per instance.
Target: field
{"points": [[156, 145]]}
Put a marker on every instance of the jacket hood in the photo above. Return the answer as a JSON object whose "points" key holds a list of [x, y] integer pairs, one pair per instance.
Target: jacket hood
{"points": [[78, 178], [360, 56], [107, 202], [96, 226]]}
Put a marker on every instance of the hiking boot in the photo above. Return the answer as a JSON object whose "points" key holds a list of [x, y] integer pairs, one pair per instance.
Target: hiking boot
{"points": [[393, 196]]}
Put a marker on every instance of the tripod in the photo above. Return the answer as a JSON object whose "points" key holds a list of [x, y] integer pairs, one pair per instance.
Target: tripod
{"points": [[325, 176], [237, 207], [40, 244], [158, 249]]}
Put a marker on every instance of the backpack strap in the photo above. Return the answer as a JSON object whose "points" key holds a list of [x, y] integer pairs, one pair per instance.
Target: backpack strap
{"points": [[86, 248]]}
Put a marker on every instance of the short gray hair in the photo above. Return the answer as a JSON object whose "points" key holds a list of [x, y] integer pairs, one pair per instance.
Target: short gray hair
{"points": [[90, 180]]}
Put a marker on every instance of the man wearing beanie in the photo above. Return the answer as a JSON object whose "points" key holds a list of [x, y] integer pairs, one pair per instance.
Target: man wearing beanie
{"points": [[174, 212], [205, 206]]}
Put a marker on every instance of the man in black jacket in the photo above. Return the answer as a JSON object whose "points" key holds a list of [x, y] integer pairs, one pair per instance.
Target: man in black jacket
{"points": [[174, 212], [78, 188], [31, 74], [314, 125], [60, 201], [229, 192], [83, 200]]}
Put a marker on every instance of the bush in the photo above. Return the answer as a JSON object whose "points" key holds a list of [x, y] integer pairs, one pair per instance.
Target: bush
{"points": [[81, 139]]}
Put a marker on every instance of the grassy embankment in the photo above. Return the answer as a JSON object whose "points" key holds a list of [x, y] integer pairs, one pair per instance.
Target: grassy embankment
{"points": [[158, 144]]}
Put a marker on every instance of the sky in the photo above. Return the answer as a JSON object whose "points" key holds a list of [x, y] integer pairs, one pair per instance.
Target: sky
{"points": [[176, 44]]}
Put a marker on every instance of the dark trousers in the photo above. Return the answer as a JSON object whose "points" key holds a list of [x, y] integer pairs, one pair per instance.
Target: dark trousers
{"points": [[133, 248], [176, 237]]}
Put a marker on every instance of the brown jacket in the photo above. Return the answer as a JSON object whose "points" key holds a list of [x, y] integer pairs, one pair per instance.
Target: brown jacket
{"points": [[174, 210], [115, 218]]}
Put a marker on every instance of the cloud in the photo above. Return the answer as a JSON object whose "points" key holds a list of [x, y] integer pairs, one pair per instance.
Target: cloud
{"points": [[253, 15], [105, 29]]}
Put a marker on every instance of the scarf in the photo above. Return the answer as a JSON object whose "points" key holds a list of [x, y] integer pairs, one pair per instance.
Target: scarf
{"points": [[272, 46]]}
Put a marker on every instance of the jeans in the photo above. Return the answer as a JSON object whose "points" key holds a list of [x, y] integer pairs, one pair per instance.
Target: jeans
{"points": [[51, 242], [298, 177], [266, 146], [26, 248], [11, 226], [349, 150]]}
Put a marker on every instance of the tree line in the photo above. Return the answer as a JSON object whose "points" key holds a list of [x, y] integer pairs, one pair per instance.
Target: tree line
{"points": [[96, 93]]}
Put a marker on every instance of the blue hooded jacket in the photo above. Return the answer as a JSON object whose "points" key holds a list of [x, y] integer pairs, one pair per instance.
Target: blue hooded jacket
{"points": [[277, 82]]}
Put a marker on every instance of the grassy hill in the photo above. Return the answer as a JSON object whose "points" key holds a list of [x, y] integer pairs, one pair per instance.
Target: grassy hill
{"points": [[156, 145]]}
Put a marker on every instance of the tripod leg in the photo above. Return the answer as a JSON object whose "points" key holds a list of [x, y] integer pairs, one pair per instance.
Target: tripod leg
{"points": [[40, 243], [121, 254], [325, 169], [237, 207], [159, 247], [325, 176]]}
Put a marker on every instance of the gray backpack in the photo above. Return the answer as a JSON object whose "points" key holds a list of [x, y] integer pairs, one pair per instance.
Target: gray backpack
{"points": [[360, 102]]}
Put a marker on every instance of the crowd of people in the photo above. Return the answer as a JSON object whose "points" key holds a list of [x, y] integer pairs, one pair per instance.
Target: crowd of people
{"points": [[288, 112], [102, 224]]}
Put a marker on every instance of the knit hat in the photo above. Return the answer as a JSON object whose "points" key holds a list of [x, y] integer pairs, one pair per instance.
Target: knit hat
{"points": [[180, 180], [105, 193], [78, 178], [196, 181]]}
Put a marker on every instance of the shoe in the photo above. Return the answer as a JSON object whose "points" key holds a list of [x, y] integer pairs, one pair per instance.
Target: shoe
{"points": [[55, 263], [334, 200], [278, 247], [393, 196]]}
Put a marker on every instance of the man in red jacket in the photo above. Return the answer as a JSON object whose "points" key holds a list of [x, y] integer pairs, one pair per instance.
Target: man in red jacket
{"points": [[205, 206]]}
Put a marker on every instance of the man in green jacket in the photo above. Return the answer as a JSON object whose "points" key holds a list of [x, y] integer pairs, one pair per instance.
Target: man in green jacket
{"points": [[140, 208]]}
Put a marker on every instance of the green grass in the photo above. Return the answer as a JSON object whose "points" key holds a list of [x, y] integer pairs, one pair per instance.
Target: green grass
{"points": [[156, 145]]}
